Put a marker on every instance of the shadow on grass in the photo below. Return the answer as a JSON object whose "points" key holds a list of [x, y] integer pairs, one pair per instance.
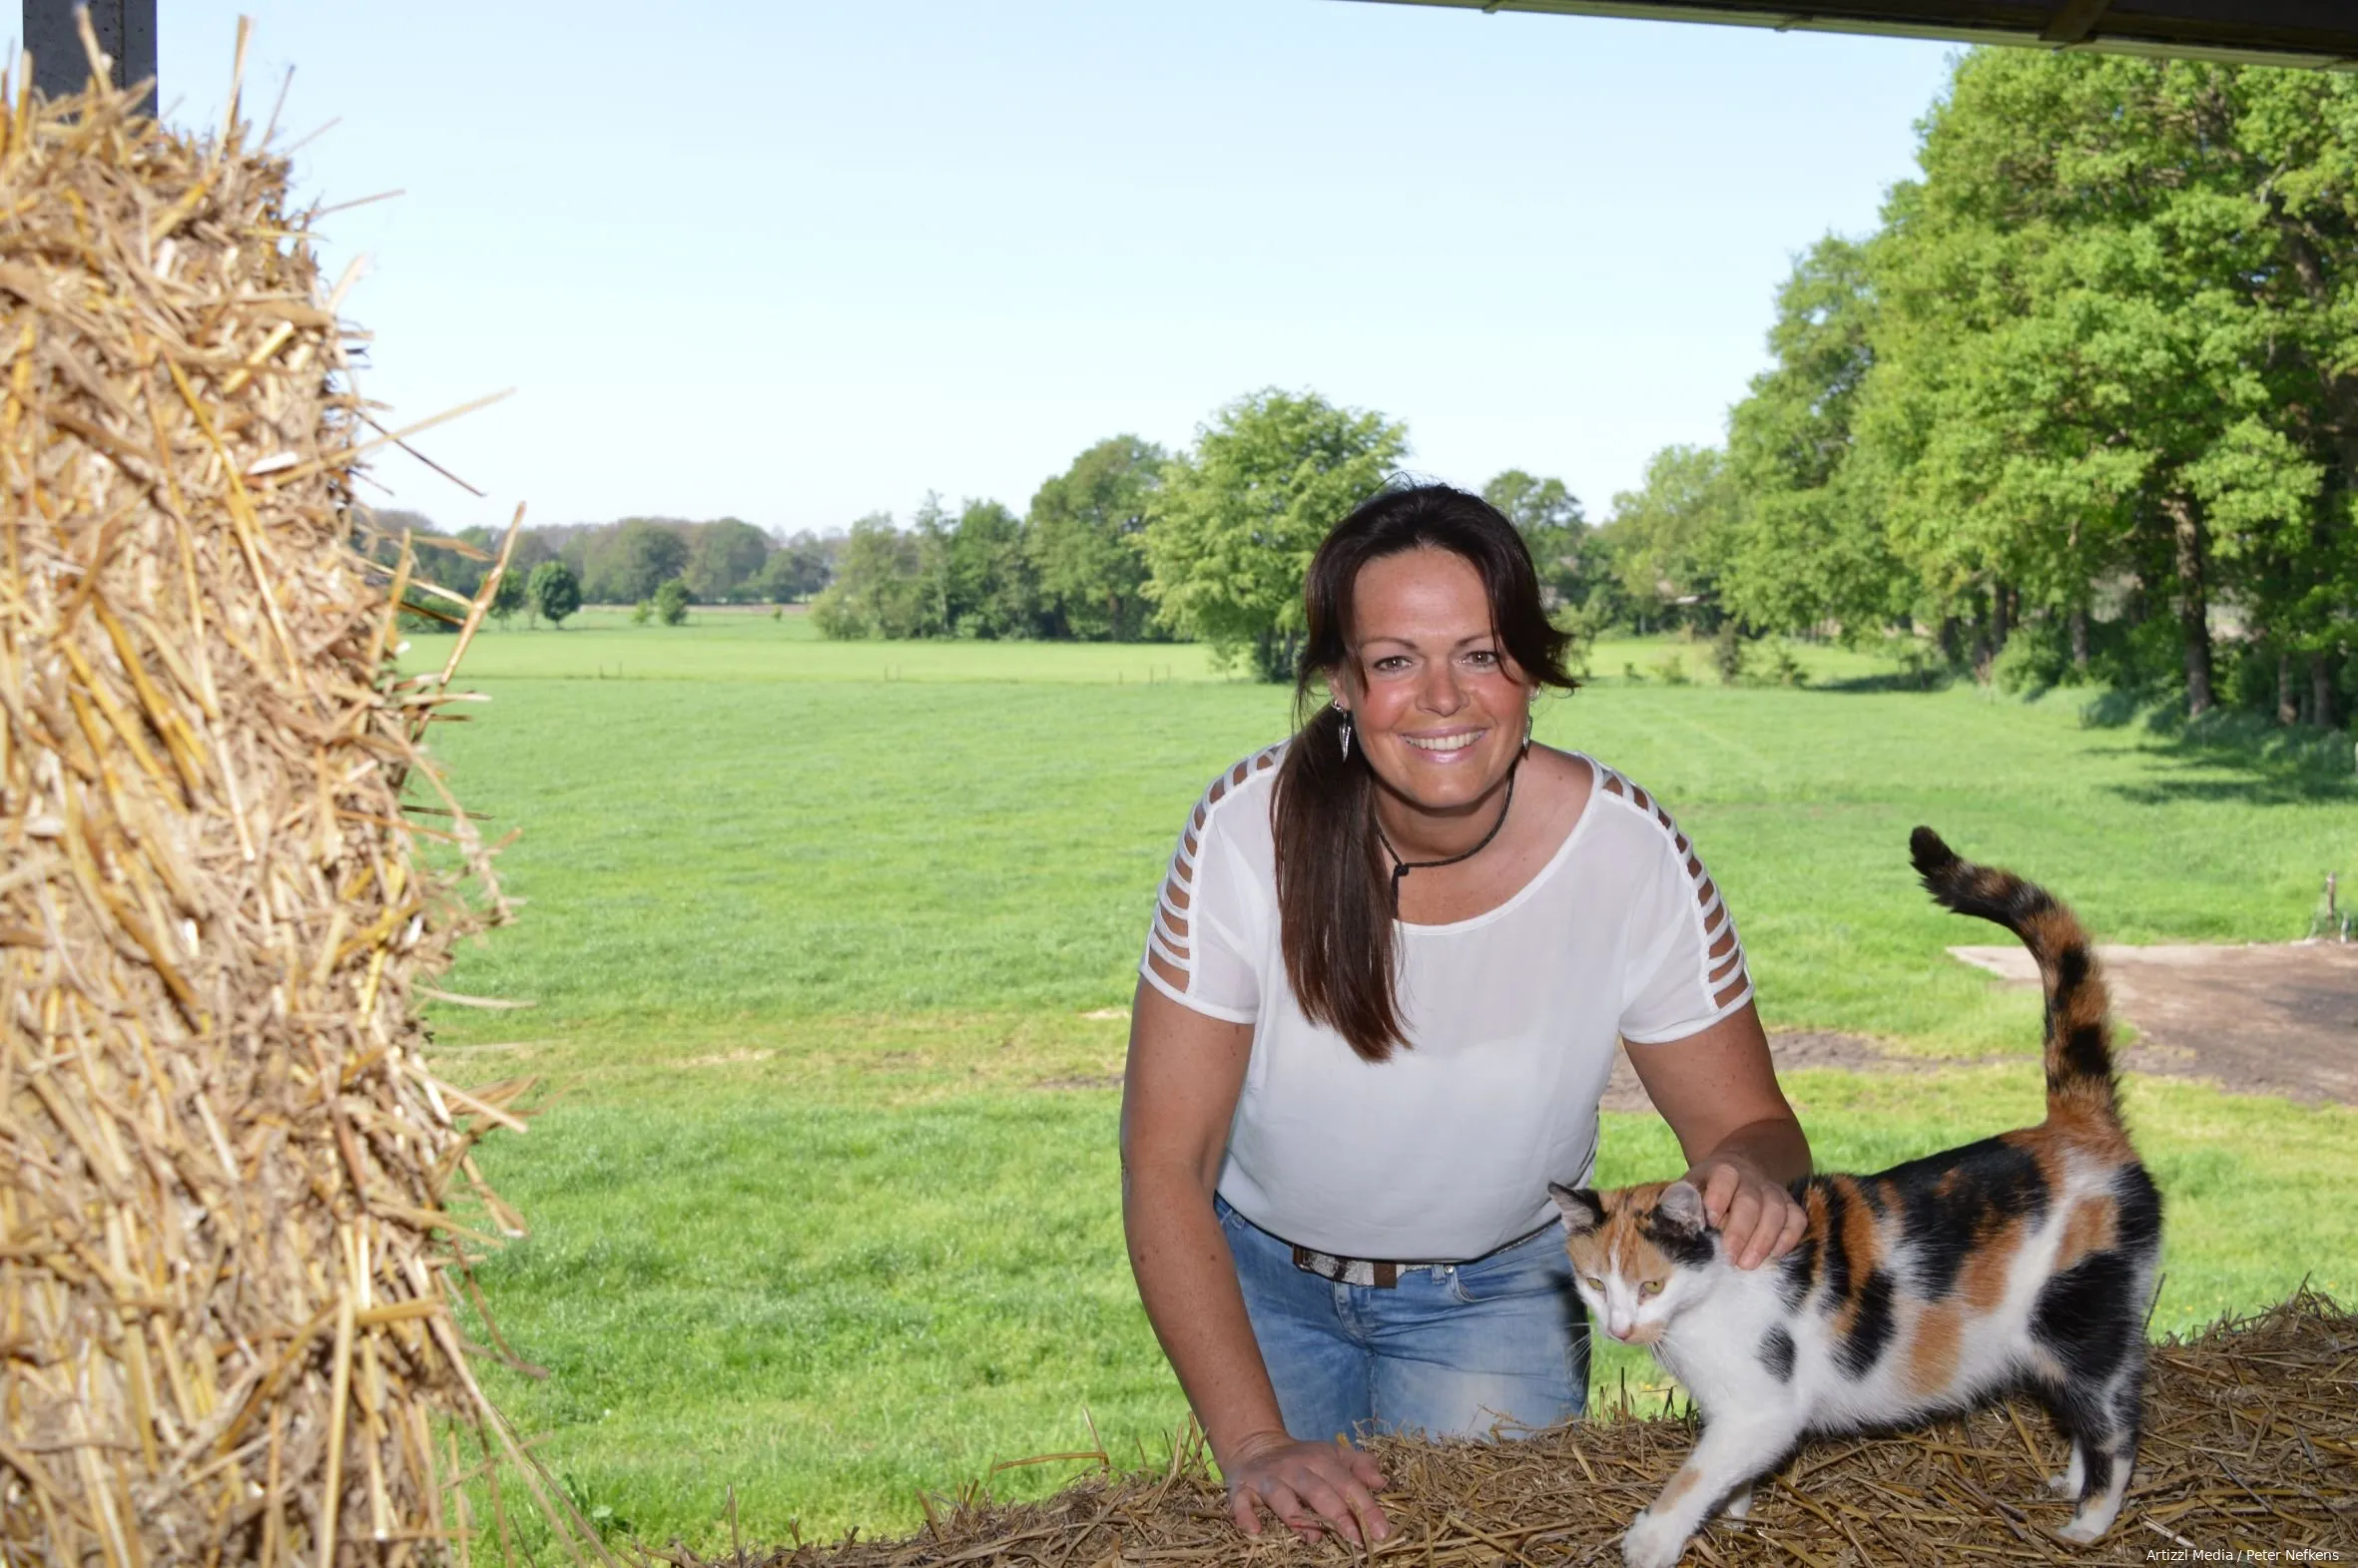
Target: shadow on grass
{"points": [[1928, 679], [2221, 756]]}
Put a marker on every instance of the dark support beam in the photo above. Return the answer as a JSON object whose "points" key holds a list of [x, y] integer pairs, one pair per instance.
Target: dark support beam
{"points": [[125, 31], [2074, 21]]}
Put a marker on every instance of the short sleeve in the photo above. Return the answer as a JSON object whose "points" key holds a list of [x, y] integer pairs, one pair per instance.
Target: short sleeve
{"points": [[1197, 953], [1686, 967]]}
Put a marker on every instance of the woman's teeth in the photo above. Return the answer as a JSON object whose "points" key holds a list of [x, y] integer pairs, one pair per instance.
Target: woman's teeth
{"points": [[1444, 743]]}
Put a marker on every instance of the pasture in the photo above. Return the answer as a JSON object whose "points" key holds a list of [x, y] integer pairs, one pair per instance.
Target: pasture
{"points": [[827, 947]]}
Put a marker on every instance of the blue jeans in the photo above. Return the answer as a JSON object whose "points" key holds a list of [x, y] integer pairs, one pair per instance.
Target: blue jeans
{"points": [[1451, 1350]]}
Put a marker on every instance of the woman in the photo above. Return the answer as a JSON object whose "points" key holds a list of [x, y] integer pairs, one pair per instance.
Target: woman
{"points": [[1378, 1008]]}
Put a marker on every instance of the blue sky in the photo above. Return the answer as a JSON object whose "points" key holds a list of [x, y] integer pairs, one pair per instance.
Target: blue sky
{"points": [[799, 262]]}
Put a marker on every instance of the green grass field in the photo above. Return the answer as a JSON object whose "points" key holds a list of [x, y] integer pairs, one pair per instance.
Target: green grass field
{"points": [[828, 944]]}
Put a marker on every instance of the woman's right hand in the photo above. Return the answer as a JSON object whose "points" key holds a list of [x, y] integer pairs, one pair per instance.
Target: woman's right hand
{"points": [[1308, 1487]]}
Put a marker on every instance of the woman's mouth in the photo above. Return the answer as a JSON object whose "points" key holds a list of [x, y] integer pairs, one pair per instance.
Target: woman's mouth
{"points": [[1444, 744]]}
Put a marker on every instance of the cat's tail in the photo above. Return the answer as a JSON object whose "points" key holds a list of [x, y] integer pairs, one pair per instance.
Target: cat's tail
{"points": [[2078, 1008]]}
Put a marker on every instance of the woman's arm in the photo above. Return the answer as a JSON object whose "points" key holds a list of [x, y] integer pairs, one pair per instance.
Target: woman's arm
{"points": [[1178, 1097], [1718, 1091]]}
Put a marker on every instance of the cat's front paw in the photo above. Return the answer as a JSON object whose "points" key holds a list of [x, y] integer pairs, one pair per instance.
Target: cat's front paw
{"points": [[1654, 1541]]}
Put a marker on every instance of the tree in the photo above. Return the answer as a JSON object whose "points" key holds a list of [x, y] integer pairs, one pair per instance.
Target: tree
{"points": [[877, 591], [1230, 535], [1084, 540], [511, 595], [670, 601], [630, 561], [554, 592], [1666, 537], [977, 574], [1804, 544], [1553, 525], [724, 559], [800, 567]]}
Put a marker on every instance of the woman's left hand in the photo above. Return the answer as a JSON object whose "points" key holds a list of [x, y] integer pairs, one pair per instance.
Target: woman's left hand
{"points": [[1757, 1216]]}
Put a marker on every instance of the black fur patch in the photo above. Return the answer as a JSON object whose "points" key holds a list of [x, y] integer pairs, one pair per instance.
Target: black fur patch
{"points": [[1776, 1352], [2085, 1054], [2087, 1315], [1995, 1182], [1797, 1270], [1872, 1332], [1838, 1257], [1689, 1249], [2098, 1473], [2138, 1223]]}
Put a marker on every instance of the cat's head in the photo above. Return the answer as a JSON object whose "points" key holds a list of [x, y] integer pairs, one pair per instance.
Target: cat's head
{"points": [[1640, 1254]]}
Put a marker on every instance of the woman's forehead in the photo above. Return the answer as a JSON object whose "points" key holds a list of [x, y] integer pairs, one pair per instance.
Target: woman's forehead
{"points": [[1420, 596]]}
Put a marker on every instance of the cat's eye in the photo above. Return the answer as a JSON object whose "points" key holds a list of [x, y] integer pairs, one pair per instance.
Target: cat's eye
{"points": [[1649, 1290], [1593, 1283]]}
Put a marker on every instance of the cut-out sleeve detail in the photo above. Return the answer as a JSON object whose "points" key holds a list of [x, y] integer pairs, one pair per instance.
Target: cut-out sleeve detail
{"points": [[1687, 966], [1195, 954]]}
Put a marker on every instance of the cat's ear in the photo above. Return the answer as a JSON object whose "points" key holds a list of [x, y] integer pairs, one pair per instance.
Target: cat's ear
{"points": [[1582, 1211], [1680, 1209]]}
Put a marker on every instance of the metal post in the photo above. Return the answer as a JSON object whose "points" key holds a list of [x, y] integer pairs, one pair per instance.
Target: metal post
{"points": [[125, 31]]}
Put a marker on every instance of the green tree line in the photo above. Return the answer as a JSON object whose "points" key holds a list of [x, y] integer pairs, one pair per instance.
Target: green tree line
{"points": [[1133, 542], [664, 564], [2083, 407]]}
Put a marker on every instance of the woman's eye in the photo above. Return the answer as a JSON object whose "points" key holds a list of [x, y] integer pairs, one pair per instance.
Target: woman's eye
{"points": [[1483, 657], [1650, 1288]]}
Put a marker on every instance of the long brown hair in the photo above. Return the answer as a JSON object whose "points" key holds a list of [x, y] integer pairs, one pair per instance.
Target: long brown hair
{"points": [[1334, 891]]}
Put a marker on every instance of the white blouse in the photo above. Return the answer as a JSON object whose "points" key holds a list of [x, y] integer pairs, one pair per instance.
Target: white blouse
{"points": [[1444, 1151]]}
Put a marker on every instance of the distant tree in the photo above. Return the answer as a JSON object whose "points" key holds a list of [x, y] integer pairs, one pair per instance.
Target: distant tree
{"points": [[724, 559], [511, 595], [978, 573], [1553, 525], [1665, 538], [630, 561], [877, 591], [800, 567], [1085, 532], [1235, 524], [554, 591], [672, 598], [1807, 544]]}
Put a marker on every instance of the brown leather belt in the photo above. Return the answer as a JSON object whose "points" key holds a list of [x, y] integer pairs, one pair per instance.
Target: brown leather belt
{"points": [[1384, 1273]]}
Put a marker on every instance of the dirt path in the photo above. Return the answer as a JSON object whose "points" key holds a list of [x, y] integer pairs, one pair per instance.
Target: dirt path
{"points": [[2257, 1020], [2254, 1020], [1790, 1051]]}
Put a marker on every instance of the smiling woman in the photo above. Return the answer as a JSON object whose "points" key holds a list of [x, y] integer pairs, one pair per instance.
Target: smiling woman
{"points": [[1392, 964]]}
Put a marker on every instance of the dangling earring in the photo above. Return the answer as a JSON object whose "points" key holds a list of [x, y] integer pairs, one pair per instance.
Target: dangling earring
{"points": [[1528, 718], [1346, 713]]}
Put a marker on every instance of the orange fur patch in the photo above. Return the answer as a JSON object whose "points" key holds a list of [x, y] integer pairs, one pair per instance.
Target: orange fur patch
{"points": [[1933, 1349], [1619, 1236], [1982, 1282], [1680, 1485], [2089, 1228], [1863, 1242]]}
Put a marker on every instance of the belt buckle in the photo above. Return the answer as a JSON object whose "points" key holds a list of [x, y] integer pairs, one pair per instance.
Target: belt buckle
{"points": [[1365, 1271]]}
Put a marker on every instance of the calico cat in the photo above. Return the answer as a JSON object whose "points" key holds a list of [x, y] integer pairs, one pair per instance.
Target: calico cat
{"points": [[2023, 1262]]}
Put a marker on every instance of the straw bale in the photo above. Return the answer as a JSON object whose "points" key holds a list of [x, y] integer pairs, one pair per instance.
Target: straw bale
{"points": [[226, 1249], [2251, 1444]]}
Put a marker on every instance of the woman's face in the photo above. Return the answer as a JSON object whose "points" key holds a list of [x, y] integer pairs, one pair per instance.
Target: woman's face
{"points": [[1436, 704]]}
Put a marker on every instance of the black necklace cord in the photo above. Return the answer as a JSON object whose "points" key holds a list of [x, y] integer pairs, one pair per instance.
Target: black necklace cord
{"points": [[1401, 869]]}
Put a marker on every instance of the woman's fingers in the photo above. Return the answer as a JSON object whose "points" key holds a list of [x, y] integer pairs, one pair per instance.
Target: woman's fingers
{"points": [[1719, 1190], [1310, 1488]]}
